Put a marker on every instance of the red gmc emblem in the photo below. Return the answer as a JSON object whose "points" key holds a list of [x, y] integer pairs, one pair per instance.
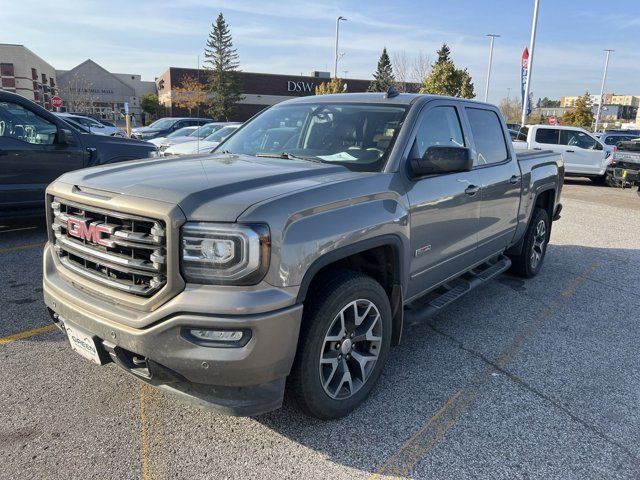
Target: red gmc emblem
{"points": [[93, 232]]}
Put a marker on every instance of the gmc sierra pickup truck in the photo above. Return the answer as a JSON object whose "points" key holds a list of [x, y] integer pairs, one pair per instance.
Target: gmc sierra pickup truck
{"points": [[284, 259]]}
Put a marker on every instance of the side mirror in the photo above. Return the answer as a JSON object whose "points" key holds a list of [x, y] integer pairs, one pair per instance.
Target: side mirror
{"points": [[442, 159], [65, 137]]}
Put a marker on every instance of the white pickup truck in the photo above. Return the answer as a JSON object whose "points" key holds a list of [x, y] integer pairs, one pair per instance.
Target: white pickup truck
{"points": [[583, 154]]}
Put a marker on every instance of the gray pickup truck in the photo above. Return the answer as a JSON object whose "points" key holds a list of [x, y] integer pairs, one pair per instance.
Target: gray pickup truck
{"points": [[285, 259]]}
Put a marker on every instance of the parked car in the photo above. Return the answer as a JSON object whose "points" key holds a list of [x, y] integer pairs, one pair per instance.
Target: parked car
{"points": [[93, 125], [287, 258], [196, 134], [583, 154], [37, 146], [108, 123], [180, 133], [206, 145], [611, 139], [164, 126]]}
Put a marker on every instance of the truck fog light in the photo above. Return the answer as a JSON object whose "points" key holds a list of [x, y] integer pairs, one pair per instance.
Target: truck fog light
{"points": [[218, 335]]}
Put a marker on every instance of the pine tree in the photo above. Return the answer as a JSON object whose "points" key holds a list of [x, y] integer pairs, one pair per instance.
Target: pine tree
{"points": [[445, 79], [221, 59], [581, 115], [443, 54], [383, 77]]}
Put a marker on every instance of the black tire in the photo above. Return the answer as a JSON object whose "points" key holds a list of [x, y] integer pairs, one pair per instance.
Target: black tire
{"points": [[525, 264], [336, 292]]}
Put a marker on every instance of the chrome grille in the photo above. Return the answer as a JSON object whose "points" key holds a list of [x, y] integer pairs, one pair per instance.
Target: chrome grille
{"points": [[118, 250]]}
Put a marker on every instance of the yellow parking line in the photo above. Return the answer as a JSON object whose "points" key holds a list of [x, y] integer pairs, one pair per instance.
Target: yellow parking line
{"points": [[416, 448], [144, 433], [21, 247], [26, 334]]}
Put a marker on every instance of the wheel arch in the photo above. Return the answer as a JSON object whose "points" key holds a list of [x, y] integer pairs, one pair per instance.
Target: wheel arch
{"points": [[380, 257]]}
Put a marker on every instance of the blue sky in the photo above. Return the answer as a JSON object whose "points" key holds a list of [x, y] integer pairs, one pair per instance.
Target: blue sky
{"points": [[297, 37]]}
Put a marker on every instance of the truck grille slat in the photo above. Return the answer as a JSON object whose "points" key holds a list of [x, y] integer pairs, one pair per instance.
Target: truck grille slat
{"points": [[115, 249]]}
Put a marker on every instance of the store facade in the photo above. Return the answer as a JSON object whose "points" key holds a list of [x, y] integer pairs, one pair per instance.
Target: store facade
{"points": [[259, 90]]}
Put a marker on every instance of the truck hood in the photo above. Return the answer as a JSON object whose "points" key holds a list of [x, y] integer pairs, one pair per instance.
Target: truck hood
{"points": [[209, 188], [192, 146]]}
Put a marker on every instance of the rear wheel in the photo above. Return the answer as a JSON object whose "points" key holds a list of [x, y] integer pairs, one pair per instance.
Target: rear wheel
{"points": [[344, 344], [536, 238]]}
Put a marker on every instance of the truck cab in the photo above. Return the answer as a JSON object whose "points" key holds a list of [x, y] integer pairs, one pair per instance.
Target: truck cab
{"points": [[583, 154]]}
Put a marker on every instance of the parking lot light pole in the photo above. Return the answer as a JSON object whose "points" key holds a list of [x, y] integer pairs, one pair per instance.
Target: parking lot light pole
{"points": [[335, 66], [532, 44], [486, 88], [604, 79]]}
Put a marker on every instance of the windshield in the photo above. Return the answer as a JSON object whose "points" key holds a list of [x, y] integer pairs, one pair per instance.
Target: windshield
{"points": [[221, 134], [358, 136], [181, 132], [205, 130], [613, 139], [162, 124]]}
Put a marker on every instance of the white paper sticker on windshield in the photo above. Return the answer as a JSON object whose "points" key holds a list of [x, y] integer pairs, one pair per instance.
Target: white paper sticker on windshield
{"points": [[341, 157]]}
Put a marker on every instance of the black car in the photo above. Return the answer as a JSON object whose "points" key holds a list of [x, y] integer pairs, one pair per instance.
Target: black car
{"points": [[36, 147], [167, 125]]}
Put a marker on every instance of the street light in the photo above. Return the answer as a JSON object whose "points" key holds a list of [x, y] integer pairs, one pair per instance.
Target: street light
{"points": [[532, 44], [604, 79], [486, 88], [335, 67]]}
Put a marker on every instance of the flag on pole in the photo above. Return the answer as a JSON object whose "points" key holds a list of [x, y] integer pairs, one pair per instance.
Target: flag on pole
{"points": [[524, 71]]}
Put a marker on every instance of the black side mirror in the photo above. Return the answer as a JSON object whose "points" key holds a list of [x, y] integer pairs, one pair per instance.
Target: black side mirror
{"points": [[442, 159], [65, 137]]}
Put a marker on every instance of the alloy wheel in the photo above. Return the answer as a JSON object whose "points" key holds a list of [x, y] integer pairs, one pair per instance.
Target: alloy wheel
{"points": [[539, 241], [350, 349]]}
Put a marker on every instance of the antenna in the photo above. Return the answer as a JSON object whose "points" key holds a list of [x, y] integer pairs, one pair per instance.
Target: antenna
{"points": [[391, 92]]}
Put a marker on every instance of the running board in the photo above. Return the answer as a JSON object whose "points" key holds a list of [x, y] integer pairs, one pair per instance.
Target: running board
{"points": [[433, 302]]}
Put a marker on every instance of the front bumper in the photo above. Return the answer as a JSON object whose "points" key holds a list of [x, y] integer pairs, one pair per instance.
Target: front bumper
{"points": [[246, 380]]}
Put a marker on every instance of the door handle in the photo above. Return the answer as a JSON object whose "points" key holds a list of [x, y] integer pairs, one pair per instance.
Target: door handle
{"points": [[537, 148], [471, 190], [514, 179], [570, 151]]}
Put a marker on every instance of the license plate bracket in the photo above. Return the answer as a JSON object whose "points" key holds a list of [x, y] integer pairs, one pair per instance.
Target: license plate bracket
{"points": [[85, 344]]}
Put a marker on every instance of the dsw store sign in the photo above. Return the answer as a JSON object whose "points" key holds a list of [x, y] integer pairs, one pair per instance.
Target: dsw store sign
{"points": [[299, 86]]}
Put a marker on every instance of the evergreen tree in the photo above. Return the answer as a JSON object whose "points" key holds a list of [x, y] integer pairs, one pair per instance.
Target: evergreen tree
{"points": [[581, 115], [445, 79], [221, 59], [383, 77], [443, 54]]}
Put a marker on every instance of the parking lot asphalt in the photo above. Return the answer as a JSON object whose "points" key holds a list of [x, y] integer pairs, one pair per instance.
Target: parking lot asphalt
{"points": [[519, 379]]}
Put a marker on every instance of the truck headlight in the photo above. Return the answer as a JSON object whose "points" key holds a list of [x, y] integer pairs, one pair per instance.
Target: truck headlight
{"points": [[225, 253]]}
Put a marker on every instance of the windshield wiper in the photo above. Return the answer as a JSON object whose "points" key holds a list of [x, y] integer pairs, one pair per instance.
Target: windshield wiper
{"points": [[287, 156]]}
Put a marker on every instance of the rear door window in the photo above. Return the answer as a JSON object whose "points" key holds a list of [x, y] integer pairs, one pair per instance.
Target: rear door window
{"points": [[488, 136], [550, 136]]}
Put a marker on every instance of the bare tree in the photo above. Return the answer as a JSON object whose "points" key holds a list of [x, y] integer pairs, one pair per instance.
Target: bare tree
{"points": [[410, 72], [76, 94], [420, 67], [401, 70], [511, 109]]}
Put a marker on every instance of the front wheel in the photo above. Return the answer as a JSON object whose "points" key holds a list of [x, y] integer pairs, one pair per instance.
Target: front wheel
{"points": [[344, 344], [536, 239]]}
